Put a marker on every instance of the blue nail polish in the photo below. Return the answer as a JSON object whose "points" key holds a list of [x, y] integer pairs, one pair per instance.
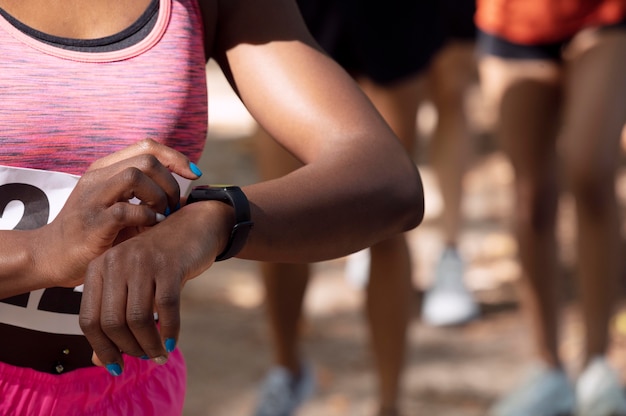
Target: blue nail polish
{"points": [[177, 207], [144, 357], [114, 369], [195, 169], [170, 344], [168, 211]]}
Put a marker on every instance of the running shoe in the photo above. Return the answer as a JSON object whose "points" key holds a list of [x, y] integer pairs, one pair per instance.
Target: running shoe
{"points": [[545, 392], [358, 268], [281, 394], [448, 301], [599, 391]]}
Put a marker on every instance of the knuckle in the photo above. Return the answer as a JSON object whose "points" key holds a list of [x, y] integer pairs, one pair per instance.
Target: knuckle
{"points": [[137, 319], [118, 212], [147, 145], [88, 324], [110, 264], [112, 323], [149, 163], [132, 175], [89, 177], [167, 301]]}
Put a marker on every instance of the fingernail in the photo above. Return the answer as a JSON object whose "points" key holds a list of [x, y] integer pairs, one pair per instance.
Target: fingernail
{"points": [[159, 217], [168, 211], [177, 207], [195, 169], [144, 357], [114, 369], [160, 360], [170, 344]]}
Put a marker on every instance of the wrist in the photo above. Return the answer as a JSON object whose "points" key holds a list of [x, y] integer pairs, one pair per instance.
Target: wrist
{"points": [[53, 261], [214, 220], [20, 270], [240, 222]]}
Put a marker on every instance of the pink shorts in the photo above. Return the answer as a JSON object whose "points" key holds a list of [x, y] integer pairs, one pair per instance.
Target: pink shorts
{"points": [[144, 388]]}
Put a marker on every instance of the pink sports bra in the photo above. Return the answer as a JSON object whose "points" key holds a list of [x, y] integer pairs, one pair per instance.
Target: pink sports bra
{"points": [[62, 109]]}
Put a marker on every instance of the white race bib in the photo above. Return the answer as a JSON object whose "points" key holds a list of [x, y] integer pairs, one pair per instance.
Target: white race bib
{"points": [[30, 199]]}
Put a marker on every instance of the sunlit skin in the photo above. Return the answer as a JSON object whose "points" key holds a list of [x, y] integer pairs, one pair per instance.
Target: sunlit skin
{"points": [[330, 207]]}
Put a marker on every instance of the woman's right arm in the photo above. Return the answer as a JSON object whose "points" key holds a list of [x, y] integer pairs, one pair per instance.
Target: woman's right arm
{"points": [[17, 269], [93, 217]]}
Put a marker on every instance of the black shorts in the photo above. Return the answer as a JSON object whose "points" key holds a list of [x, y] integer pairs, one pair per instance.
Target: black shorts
{"points": [[384, 41], [493, 45], [457, 19]]}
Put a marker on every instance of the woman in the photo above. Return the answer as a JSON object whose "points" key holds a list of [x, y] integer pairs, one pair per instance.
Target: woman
{"points": [[83, 85], [555, 69]]}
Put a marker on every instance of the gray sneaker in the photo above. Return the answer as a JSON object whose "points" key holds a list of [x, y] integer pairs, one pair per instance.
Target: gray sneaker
{"points": [[599, 391], [281, 394], [448, 301], [544, 392]]}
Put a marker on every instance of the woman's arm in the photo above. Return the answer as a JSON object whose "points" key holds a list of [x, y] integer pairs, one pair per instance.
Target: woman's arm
{"points": [[358, 185], [90, 222]]}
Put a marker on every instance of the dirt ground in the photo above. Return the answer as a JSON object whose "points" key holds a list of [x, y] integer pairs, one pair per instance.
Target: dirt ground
{"points": [[450, 371]]}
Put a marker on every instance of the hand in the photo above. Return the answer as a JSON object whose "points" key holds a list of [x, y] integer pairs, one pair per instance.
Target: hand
{"points": [[144, 274], [98, 211]]}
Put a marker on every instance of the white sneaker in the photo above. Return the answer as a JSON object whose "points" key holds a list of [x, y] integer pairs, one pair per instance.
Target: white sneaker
{"points": [[546, 392], [281, 395], [599, 391], [448, 301], [358, 268]]}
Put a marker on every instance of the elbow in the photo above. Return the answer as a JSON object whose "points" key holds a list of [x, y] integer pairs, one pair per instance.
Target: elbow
{"points": [[408, 202]]}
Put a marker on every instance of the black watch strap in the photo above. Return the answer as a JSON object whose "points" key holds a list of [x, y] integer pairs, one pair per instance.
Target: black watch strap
{"points": [[233, 196]]}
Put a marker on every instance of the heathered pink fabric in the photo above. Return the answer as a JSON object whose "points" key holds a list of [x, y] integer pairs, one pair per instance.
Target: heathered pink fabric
{"points": [[61, 110]]}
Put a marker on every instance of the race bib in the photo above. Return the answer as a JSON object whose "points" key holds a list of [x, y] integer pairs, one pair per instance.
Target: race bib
{"points": [[30, 199]]}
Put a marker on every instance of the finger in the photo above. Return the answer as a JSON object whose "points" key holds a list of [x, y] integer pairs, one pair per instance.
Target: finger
{"points": [[113, 314], [121, 222], [140, 319], [148, 181], [96, 361], [167, 303], [170, 158], [162, 178], [89, 319], [155, 187]]}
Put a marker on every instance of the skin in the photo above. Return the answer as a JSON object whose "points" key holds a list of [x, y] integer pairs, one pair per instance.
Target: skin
{"points": [[560, 125], [389, 289], [452, 72], [350, 158]]}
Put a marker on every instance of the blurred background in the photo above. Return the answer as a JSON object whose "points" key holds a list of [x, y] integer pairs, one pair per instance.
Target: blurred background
{"points": [[451, 371]]}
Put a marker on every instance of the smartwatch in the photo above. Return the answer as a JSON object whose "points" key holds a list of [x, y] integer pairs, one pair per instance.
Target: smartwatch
{"points": [[233, 196]]}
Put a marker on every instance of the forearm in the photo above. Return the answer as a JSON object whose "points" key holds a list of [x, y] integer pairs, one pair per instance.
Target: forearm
{"points": [[358, 185], [312, 215], [18, 270]]}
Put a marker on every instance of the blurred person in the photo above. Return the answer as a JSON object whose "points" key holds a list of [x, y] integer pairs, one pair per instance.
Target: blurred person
{"points": [[555, 71], [83, 267], [447, 301], [387, 50]]}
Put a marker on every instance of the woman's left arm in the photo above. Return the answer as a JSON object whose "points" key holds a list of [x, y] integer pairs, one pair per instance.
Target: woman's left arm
{"points": [[358, 185]]}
